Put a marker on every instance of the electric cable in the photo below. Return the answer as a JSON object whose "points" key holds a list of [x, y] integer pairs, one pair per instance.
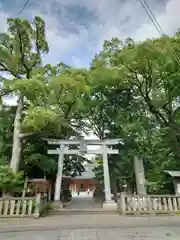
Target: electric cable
{"points": [[23, 7], [157, 25]]}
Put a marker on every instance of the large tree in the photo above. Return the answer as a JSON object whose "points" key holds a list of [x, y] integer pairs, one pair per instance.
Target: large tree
{"points": [[152, 69], [149, 124], [20, 54], [48, 96]]}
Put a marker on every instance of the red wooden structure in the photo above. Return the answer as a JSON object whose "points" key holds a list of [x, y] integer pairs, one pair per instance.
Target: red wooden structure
{"points": [[42, 186], [82, 185]]}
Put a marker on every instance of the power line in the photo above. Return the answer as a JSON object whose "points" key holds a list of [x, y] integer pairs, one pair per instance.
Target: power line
{"points": [[151, 16], [23, 7], [157, 25]]}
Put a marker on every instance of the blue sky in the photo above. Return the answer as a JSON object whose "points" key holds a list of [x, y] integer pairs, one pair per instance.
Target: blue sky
{"points": [[76, 29]]}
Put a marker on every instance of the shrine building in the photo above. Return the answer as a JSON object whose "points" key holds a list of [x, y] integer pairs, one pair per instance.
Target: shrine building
{"points": [[85, 181]]}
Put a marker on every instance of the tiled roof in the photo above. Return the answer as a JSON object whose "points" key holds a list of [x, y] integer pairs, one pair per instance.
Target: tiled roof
{"points": [[88, 174]]}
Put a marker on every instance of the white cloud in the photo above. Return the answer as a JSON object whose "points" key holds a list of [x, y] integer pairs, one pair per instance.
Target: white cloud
{"points": [[169, 21], [11, 101], [3, 19], [77, 62], [116, 18], [130, 20], [120, 18]]}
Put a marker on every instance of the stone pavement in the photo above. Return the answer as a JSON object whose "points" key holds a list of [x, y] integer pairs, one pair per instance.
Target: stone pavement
{"points": [[91, 227], [85, 221], [136, 233], [83, 202]]}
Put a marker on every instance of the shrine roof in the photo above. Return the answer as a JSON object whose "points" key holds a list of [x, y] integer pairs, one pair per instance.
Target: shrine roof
{"points": [[173, 173], [88, 174]]}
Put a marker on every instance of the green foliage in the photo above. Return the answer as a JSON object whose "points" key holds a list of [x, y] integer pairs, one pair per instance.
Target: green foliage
{"points": [[35, 160], [32, 88], [98, 171], [17, 46], [58, 101], [148, 121], [37, 118], [10, 182], [131, 92], [6, 120]]}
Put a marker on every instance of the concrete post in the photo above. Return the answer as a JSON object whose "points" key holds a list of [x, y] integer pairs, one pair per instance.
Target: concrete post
{"points": [[107, 186], [122, 203], [59, 174], [140, 177]]}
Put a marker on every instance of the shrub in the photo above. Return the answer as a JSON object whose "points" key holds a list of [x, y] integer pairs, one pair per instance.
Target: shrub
{"points": [[10, 182]]}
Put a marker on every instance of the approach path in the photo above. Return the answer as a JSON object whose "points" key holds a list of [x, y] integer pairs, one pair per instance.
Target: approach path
{"points": [[91, 227]]}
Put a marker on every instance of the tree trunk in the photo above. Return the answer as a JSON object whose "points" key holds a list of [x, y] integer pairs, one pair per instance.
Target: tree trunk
{"points": [[16, 148]]}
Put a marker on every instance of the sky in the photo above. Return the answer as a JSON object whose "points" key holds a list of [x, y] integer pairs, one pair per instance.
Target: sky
{"points": [[76, 29]]}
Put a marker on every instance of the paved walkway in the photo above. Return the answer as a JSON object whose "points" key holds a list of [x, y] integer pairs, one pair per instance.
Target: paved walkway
{"points": [[83, 202], [92, 221], [139, 233], [97, 228], [91, 227]]}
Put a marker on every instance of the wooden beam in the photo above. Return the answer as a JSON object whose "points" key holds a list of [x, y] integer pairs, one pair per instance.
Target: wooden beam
{"points": [[76, 151], [87, 142]]}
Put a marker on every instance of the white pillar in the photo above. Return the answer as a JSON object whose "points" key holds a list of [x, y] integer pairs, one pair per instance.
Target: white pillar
{"points": [[107, 186], [140, 176], [59, 174]]}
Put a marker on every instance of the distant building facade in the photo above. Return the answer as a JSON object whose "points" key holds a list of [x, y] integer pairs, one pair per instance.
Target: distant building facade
{"points": [[84, 182]]}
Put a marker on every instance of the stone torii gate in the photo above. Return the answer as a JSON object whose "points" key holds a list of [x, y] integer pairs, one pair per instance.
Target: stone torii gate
{"points": [[104, 150]]}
